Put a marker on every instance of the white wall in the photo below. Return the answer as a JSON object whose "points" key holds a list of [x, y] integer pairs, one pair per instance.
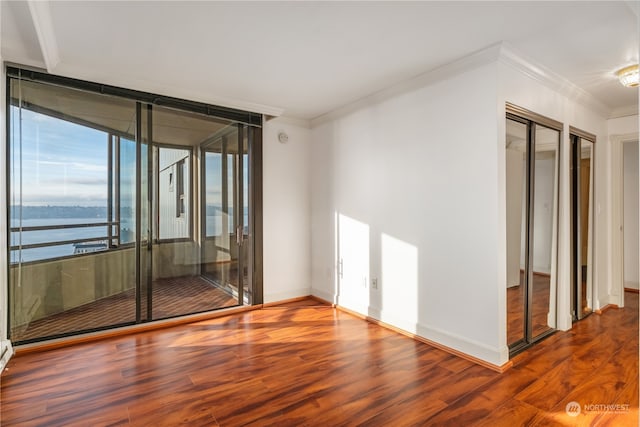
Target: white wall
{"points": [[621, 131], [525, 90], [405, 191], [286, 210], [4, 343], [631, 191]]}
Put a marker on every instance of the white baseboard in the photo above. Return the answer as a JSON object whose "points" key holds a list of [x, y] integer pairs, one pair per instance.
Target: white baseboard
{"points": [[631, 285], [327, 296], [4, 358], [356, 306], [492, 355], [285, 295]]}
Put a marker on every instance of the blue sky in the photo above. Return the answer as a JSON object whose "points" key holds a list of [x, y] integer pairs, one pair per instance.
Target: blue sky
{"points": [[63, 163]]}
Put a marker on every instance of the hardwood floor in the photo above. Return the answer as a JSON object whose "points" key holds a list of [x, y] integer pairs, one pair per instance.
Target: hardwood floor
{"points": [[309, 364], [515, 307]]}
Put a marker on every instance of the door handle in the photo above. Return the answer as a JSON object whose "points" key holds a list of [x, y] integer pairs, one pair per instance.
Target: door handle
{"points": [[239, 235]]}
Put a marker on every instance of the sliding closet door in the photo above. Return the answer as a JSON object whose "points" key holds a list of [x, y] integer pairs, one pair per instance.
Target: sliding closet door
{"points": [[532, 161], [517, 205], [581, 223], [544, 206]]}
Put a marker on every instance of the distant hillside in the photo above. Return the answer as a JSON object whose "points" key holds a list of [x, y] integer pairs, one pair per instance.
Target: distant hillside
{"points": [[40, 212]]}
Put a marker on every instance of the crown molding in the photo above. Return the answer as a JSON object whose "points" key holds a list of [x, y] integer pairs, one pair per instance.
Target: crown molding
{"points": [[629, 110], [476, 59], [500, 52], [538, 72], [634, 6], [41, 16], [293, 121]]}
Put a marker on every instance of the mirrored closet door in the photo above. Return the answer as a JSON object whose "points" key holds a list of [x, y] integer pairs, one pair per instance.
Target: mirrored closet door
{"points": [[581, 222], [532, 162]]}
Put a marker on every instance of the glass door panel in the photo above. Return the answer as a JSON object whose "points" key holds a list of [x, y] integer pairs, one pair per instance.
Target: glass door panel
{"points": [[179, 280], [516, 174], [67, 271], [122, 212], [543, 243], [582, 219], [226, 247]]}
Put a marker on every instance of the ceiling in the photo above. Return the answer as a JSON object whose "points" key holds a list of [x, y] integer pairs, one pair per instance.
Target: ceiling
{"points": [[305, 59]]}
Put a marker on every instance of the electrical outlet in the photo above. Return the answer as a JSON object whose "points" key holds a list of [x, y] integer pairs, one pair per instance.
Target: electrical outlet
{"points": [[374, 283]]}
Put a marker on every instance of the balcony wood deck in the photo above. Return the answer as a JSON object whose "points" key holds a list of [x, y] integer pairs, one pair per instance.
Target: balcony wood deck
{"points": [[171, 297]]}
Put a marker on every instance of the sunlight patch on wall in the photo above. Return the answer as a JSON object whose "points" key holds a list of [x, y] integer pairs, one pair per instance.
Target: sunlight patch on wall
{"points": [[399, 282], [353, 263]]}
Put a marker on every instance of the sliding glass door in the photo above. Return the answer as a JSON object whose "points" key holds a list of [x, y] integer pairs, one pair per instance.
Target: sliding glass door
{"points": [[72, 190], [181, 169], [123, 211], [532, 209], [226, 244]]}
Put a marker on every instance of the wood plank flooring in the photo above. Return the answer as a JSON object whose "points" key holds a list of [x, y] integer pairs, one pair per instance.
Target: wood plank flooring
{"points": [[308, 364], [515, 307]]}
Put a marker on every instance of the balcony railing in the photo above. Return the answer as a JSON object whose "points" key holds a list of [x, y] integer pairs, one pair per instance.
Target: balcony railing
{"points": [[108, 238]]}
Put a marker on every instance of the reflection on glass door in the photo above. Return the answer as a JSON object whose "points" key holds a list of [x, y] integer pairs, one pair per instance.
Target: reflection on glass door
{"points": [[582, 220], [516, 185], [178, 279], [225, 248], [532, 202], [126, 207], [72, 189]]}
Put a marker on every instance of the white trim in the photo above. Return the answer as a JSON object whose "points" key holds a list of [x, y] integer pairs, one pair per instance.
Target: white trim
{"points": [[501, 52], [551, 79], [285, 295], [462, 344], [41, 17], [327, 296], [616, 279], [629, 110], [446, 71], [634, 6], [7, 355], [631, 285], [495, 356], [492, 355], [14, 56], [286, 120]]}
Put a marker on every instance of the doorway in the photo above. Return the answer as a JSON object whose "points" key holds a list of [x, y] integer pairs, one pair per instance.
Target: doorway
{"points": [[582, 191], [630, 213], [532, 165]]}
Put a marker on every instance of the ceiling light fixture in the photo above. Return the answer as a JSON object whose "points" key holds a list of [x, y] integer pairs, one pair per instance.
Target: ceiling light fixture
{"points": [[628, 76]]}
